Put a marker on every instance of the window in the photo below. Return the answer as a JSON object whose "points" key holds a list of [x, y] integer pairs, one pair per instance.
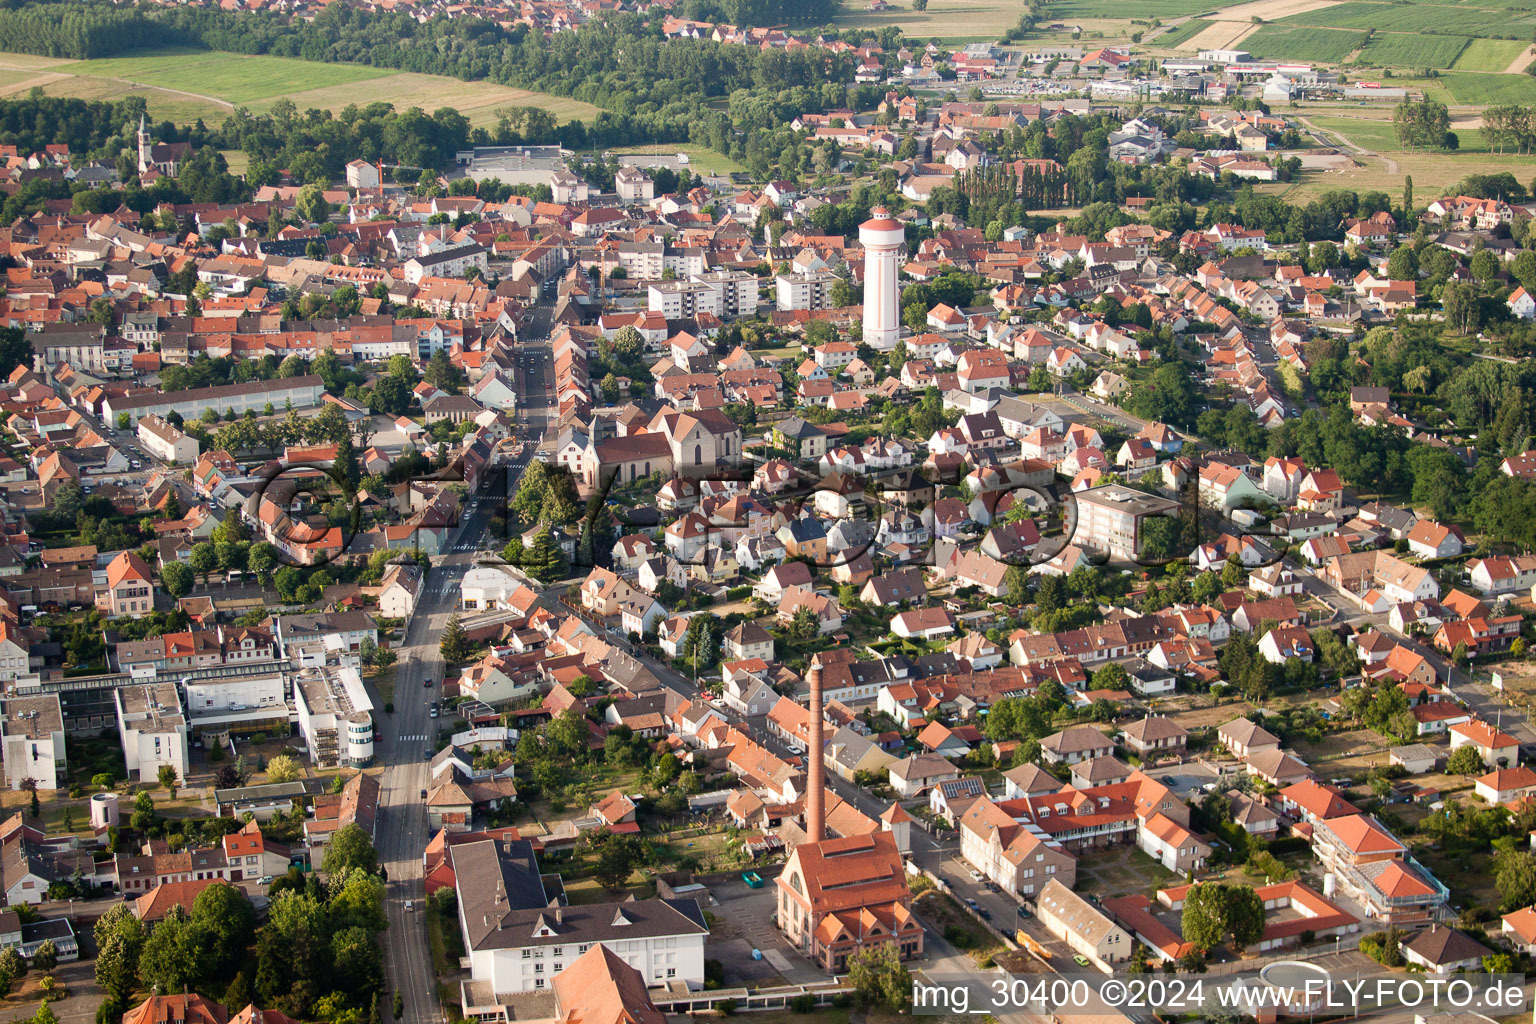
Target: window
{"points": [[527, 953], [671, 972]]}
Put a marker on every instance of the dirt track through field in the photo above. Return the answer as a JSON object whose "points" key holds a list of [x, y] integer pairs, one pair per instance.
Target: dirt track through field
{"points": [[1520, 63]]}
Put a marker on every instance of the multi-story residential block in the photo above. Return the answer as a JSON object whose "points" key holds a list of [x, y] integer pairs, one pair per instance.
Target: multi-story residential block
{"points": [[165, 442], [152, 729], [251, 396], [32, 737], [807, 290], [1110, 519]]}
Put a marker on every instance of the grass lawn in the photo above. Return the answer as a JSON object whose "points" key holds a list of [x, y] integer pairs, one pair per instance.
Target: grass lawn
{"points": [[700, 159], [1124, 870], [586, 892], [1467, 873], [1488, 55], [185, 85], [1381, 137]]}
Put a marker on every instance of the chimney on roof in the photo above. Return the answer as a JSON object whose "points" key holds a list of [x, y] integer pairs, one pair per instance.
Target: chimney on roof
{"points": [[815, 801]]}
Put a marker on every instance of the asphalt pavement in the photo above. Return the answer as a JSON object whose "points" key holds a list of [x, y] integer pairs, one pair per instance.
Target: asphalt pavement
{"points": [[407, 736]]}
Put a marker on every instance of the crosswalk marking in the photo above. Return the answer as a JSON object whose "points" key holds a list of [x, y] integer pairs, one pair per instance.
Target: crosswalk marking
{"points": [[409, 739]]}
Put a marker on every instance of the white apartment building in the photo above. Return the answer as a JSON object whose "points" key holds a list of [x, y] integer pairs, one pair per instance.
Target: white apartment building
{"points": [[32, 737], [165, 442], [1109, 519], [493, 587], [677, 299], [738, 290], [633, 185], [335, 716], [518, 942], [454, 262], [152, 728], [804, 291]]}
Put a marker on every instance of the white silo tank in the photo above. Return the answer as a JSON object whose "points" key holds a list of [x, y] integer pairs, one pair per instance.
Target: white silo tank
{"points": [[1329, 884], [103, 810]]}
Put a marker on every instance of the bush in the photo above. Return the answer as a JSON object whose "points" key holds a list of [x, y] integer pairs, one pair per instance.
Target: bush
{"points": [[389, 707], [727, 1007], [803, 1003]]}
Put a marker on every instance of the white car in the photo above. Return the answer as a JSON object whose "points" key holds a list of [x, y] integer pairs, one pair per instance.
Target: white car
{"points": [[793, 749], [410, 905], [975, 875]]}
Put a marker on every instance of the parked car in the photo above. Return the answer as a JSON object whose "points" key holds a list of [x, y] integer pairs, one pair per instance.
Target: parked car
{"points": [[1024, 911], [1080, 960]]}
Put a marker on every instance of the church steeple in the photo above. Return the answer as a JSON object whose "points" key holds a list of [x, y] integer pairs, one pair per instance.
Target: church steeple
{"points": [[146, 145]]}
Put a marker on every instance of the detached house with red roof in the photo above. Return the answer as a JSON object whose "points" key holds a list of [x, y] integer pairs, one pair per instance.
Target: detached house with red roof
{"points": [[1493, 744]]}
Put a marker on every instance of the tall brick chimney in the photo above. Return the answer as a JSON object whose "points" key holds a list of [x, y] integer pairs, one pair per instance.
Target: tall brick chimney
{"points": [[815, 783]]}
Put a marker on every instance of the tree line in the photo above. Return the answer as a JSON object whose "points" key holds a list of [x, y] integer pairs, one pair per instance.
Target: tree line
{"points": [[654, 88]]}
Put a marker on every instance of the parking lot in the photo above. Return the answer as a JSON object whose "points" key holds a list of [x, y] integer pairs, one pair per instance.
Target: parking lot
{"points": [[1187, 780], [744, 922]]}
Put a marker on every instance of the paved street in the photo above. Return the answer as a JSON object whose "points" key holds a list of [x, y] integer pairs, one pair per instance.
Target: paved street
{"points": [[407, 737]]}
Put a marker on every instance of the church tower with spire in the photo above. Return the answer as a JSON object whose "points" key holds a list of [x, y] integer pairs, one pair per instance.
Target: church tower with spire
{"points": [[146, 146]]}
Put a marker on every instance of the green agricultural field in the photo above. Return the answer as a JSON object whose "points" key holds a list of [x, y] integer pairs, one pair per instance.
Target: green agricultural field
{"points": [[186, 86], [1072, 10], [1182, 34], [1403, 50], [961, 21], [1318, 45], [1481, 90], [1489, 55], [230, 77], [1464, 20]]}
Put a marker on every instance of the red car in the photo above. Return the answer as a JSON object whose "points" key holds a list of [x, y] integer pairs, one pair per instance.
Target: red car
{"points": [[427, 683]]}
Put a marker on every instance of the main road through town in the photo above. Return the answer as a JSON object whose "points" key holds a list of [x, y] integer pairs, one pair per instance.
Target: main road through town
{"points": [[407, 737]]}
